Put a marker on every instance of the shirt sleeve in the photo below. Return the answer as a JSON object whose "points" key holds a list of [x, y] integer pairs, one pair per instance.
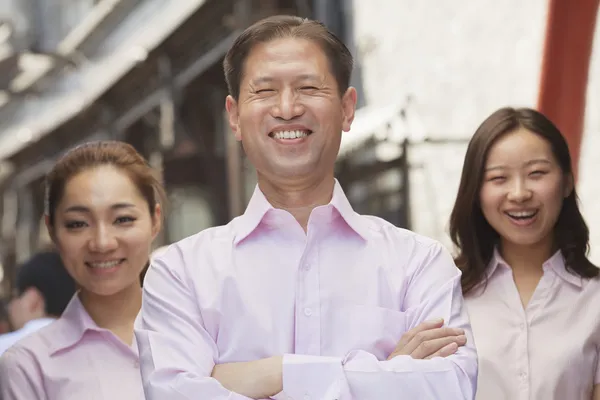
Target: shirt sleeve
{"points": [[433, 291], [20, 376], [177, 354]]}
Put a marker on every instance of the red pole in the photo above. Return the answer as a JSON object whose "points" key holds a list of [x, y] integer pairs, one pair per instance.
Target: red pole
{"points": [[565, 65]]}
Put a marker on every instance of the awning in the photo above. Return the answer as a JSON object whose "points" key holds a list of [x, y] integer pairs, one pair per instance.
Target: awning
{"points": [[144, 29]]}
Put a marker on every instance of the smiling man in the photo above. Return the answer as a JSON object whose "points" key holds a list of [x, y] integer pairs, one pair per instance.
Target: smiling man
{"points": [[301, 297]]}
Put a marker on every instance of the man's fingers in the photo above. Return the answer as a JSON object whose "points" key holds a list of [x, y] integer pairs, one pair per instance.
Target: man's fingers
{"points": [[394, 354], [442, 347], [430, 347], [409, 335], [448, 350], [429, 335]]}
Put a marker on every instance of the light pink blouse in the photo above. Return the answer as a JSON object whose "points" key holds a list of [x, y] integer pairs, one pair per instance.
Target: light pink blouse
{"points": [[547, 351], [71, 359]]}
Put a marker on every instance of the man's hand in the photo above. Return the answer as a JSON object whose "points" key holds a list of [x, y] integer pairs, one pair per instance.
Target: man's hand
{"points": [[260, 379], [430, 339]]}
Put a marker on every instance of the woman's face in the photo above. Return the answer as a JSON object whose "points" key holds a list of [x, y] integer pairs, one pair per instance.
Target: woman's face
{"points": [[104, 230], [523, 189]]}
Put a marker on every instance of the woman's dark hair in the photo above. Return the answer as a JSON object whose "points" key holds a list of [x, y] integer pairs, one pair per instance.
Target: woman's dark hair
{"points": [[470, 232]]}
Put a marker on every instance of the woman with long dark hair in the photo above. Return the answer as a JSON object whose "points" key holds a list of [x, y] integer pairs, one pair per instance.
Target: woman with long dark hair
{"points": [[522, 247]]}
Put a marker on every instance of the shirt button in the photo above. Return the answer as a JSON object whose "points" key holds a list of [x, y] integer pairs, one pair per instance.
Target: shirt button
{"points": [[306, 397], [523, 375], [522, 326], [307, 266], [307, 312], [136, 364]]}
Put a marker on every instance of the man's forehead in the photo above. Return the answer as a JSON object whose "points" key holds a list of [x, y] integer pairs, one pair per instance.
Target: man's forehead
{"points": [[285, 50]]}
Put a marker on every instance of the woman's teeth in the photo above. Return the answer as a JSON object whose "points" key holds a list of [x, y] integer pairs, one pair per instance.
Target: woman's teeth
{"points": [[522, 214], [104, 264]]}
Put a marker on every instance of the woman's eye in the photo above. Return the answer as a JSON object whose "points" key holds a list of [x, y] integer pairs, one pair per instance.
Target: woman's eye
{"points": [[74, 224], [124, 220]]}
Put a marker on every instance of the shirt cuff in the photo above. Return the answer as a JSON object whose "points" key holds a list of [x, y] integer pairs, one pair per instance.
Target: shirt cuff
{"points": [[313, 378]]}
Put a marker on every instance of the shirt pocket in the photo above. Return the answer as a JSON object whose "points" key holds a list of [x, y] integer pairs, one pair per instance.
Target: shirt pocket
{"points": [[374, 329]]}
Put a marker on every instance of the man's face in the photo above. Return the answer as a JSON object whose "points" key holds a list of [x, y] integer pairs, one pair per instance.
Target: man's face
{"points": [[290, 115]]}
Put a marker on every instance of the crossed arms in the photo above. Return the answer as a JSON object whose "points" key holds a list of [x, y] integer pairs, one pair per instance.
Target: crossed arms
{"points": [[264, 378], [179, 358]]}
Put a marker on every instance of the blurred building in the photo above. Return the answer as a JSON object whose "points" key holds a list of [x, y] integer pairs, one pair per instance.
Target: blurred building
{"points": [[458, 62], [144, 71]]}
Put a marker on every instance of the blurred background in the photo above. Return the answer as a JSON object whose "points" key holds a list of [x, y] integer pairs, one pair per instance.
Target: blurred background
{"points": [[149, 72]]}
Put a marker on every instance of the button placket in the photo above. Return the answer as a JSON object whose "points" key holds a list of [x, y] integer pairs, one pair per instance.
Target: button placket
{"points": [[308, 328]]}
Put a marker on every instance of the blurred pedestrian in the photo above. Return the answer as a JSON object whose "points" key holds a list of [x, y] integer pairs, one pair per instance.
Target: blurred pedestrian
{"points": [[43, 290]]}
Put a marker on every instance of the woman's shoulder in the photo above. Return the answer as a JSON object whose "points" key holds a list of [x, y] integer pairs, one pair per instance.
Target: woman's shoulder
{"points": [[38, 344], [591, 285]]}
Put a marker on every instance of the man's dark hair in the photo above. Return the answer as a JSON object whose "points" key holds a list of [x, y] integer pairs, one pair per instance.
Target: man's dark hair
{"points": [[46, 273], [281, 27]]}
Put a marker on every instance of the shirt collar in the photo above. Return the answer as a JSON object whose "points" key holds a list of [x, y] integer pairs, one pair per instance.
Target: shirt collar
{"points": [[73, 324], [556, 263], [259, 207], [358, 223]]}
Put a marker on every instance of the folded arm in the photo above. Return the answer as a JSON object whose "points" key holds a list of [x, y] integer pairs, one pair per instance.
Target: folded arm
{"points": [[434, 292], [177, 354]]}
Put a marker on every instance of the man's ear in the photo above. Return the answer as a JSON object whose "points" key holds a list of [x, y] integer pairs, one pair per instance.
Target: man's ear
{"points": [[349, 108], [231, 105]]}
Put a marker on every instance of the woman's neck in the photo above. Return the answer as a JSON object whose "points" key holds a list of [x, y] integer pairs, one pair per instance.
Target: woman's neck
{"points": [[527, 258], [117, 312]]}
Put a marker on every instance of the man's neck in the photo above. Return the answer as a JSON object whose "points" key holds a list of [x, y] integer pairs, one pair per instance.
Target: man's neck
{"points": [[298, 198]]}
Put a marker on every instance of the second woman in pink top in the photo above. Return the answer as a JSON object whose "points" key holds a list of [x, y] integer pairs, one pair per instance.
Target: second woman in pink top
{"points": [[531, 292], [103, 213]]}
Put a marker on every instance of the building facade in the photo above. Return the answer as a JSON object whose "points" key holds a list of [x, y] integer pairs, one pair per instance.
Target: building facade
{"points": [[458, 62]]}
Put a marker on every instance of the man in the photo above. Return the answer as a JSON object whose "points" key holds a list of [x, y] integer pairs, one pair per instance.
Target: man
{"points": [[301, 298], [43, 290]]}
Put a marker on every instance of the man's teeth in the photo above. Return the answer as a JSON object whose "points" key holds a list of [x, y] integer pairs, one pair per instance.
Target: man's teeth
{"points": [[522, 214], [290, 134], [105, 264]]}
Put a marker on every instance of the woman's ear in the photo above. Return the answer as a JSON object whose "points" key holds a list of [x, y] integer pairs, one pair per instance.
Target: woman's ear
{"points": [[50, 228], [157, 219], [569, 185]]}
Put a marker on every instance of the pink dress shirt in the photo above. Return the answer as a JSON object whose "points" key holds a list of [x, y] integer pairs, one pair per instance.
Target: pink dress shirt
{"points": [[549, 350], [334, 302], [71, 359]]}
